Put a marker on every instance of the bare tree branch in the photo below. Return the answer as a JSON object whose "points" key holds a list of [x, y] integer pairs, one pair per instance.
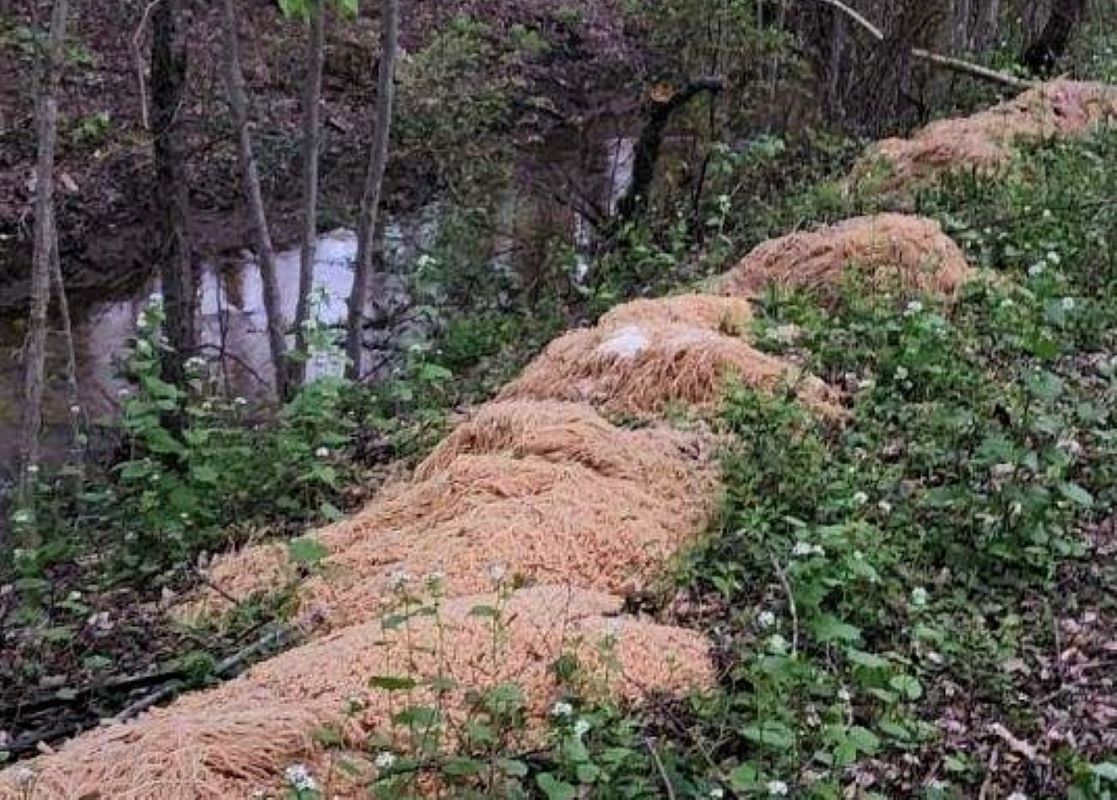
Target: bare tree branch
{"points": [[946, 62]]}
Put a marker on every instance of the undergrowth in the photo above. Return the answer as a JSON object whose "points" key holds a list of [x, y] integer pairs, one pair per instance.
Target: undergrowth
{"points": [[916, 604]]}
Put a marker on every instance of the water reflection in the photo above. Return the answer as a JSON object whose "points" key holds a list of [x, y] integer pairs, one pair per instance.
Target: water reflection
{"points": [[232, 325]]}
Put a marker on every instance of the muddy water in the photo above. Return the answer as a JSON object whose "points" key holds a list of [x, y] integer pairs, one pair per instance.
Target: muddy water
{"points": [[232, 322]]}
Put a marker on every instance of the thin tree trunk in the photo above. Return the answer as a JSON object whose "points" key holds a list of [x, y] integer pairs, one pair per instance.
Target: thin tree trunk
{"points": [[265, 250], [1044, 53], [312, 96], [171, 196], [374, 182], [78, 419], [836, 46], [646, 155], [46, 128]]}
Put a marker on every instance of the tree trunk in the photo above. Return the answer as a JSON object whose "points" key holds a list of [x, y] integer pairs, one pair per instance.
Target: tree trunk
{"points": [[1044, 53], [312, 96], [46, 129], [79, 421], [254, 199], [374, 182], [171, 196], [646, 155]]}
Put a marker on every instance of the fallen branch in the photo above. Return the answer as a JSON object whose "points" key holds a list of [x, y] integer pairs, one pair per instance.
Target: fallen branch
{"points": [[947, 62], [661, 769], [1016, 745], [277, 637]]}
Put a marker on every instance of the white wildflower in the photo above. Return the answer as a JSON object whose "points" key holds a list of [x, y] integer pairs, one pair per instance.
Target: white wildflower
{"points": [[581, 728], [497, 573], [399, 579], [914, 307], [901, 373], [777, 644], [300, 778], [1047, 213], [844, 695], [805, 549], [885, 507], [777, 788], [860, 498], [75, 409], [322, 452], [1036, 269], [239, 401], [1053, 257], [32, 468], [717, 792], [562, 709], [385, 760], [1068, 304], [766, 619], [1007, 303], [919, 596], [1002, 470], [786, 334]]}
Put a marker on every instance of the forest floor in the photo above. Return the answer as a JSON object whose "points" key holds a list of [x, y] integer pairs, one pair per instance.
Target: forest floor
{"points": [[917, 602]]}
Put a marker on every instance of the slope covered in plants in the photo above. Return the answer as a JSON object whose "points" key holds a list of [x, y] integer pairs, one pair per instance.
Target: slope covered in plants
{"points": [[905, 596]]}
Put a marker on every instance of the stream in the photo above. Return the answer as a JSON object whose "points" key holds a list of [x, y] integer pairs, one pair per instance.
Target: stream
{"points": [[231, 321]]}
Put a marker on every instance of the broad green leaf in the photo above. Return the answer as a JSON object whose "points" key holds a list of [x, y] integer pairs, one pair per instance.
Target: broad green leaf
{"points": [[306, 551], [554, 788], [867, 660], [391, 683], [1076, 494], [831, 629], [460, 767], [744, 778], [771, 733], [908, 686]]}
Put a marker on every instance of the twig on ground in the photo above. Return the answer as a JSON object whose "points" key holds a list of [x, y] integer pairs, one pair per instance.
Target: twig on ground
{"points": [[791, 606], [990, 770], [1018, 746], [278, 636], [661, 769]]}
